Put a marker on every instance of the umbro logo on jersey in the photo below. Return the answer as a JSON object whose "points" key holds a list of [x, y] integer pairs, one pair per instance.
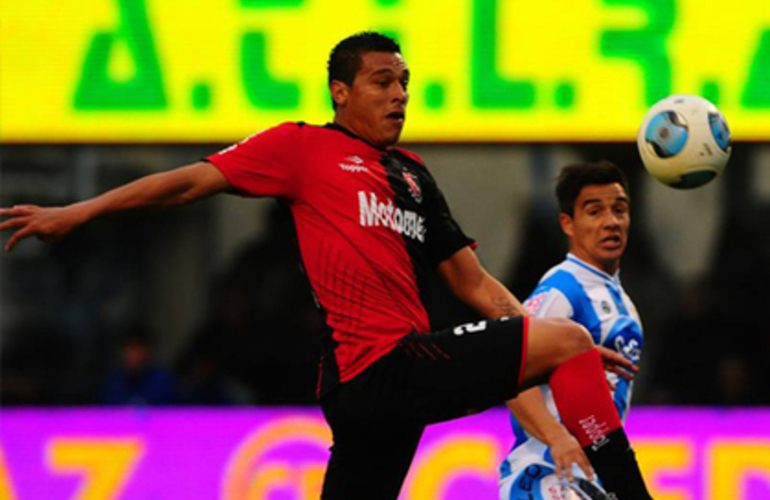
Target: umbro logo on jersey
{"points": [[353, 164], [606, 307]]}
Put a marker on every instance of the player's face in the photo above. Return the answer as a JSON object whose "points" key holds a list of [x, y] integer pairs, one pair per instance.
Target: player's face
{"points": [[598, 229], [374, 107]]}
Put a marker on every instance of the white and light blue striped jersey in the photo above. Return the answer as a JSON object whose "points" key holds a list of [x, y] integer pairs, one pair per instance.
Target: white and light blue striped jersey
{"points": [[596, 300]]}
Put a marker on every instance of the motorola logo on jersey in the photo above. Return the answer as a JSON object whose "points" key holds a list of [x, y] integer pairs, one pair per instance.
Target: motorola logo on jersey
{"points": [[374, 212]]}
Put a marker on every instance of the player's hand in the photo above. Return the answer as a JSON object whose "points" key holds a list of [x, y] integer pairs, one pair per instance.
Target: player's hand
{"points": [[617, 363], [566, 451], [47, 223]]}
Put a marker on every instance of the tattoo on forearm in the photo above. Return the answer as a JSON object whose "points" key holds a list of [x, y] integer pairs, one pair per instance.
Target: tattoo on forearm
{"points": [[507, 306]]}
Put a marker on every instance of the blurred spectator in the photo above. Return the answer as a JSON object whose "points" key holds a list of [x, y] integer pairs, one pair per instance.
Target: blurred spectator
{"points": [[733, 382], [263, 330], [138, 380], [687, 334], [204, 381], [709, 354]]}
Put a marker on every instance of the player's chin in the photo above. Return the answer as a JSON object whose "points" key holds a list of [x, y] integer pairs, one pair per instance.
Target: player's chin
{"points": [[391, 136], [613, 255]]}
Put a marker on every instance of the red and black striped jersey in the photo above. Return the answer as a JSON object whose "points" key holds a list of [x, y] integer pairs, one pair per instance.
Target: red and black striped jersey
{"points": [[371, 225]]}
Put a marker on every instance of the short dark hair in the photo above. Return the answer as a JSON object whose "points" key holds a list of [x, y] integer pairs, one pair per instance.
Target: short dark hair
{"points": [[573, 178], [345, 58]]}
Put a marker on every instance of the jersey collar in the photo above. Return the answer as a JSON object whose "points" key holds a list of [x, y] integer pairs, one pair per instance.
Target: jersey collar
{"points": [[615, 278], [349, 133]]}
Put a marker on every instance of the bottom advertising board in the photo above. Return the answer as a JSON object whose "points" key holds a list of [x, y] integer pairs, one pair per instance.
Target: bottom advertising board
{"points": [[280, 454]]}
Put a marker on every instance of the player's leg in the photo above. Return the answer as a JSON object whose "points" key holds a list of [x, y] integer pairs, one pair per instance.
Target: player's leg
{"points": [[369, 465], [374, 436], [464, 369], [378, 417], [550, 343], [563, 351]]}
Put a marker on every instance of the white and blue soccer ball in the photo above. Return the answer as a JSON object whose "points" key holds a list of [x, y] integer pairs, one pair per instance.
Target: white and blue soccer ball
{"points": [[553, 488], [684, 141], [538, 481]]}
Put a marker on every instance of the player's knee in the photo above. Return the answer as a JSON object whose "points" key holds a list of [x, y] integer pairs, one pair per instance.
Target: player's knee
{"points": [[556, 341], [576, 339]]}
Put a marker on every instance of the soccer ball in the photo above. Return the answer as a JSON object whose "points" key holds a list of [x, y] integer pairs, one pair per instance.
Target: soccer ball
{"points": [[553, 488], [684, 141], [539, 480]]}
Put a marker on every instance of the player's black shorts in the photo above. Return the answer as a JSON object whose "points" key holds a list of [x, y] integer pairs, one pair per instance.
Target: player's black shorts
{"points": [[378, 417]]}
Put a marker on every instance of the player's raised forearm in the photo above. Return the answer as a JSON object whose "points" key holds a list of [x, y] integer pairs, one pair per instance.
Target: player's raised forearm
{"points": [[472, 284], [163, 190], [494, 300], [490, 298], [531, 412]]}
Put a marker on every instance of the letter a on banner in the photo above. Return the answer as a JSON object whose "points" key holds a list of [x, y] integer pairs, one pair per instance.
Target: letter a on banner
{"points": [[101, 86]]}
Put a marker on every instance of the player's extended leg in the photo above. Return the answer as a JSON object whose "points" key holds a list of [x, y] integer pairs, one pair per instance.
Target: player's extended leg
{"points": [[374, 437], [369, 463], [562, 352], [377, 417]]}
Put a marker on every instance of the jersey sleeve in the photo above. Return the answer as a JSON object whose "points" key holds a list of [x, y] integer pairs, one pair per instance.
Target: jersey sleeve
{"points": [[265, 164], [548, 303], [444, 235]]}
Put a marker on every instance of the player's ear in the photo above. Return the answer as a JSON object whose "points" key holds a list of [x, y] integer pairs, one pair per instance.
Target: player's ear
{"points": [[567, 224], [339, 91]]}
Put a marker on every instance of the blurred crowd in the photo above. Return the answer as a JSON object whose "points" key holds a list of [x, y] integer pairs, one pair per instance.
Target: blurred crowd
{"points": [[258, 339], [258, 344]]}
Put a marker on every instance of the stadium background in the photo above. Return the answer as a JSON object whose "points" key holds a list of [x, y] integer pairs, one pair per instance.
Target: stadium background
{"points": [[94, 93]]}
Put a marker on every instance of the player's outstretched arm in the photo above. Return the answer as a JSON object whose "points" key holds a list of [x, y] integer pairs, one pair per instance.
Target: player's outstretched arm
{"points": [[472, 284], [163, 190], [476, 287], [531, 412]]}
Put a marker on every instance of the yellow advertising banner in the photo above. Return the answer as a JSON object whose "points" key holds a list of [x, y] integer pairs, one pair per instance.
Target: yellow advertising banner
{"points": [[482, 70]]}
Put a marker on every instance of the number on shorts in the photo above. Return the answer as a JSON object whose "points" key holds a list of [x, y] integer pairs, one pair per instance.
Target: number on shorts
{"points": [[471, 328]]}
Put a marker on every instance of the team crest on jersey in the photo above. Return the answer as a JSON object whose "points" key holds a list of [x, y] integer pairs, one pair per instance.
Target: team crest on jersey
{"points": [[606, 307], [414, 186]]}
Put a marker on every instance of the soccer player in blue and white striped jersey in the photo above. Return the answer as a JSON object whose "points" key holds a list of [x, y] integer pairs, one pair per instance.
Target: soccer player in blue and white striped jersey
{"points": [[585, 287]]}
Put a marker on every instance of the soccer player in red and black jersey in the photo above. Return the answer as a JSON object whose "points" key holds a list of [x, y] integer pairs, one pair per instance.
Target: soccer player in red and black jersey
{"points": [[372, 224]]}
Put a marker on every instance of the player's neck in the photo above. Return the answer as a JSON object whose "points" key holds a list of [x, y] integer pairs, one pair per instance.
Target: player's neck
{"points": [[349, 127], [609, 268]]}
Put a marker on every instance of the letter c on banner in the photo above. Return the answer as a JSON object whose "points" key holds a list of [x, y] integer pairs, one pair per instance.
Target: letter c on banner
{"points": [[276, 457], [452, 458]]}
